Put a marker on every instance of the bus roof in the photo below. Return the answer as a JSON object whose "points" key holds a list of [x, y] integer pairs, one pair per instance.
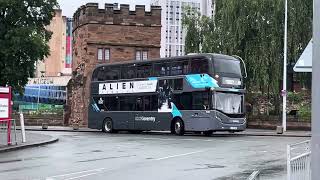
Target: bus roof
{"points": [[201, 55]]}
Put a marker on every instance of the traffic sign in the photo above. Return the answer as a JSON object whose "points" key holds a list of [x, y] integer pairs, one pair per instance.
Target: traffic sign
{"points": [[5, 109]]}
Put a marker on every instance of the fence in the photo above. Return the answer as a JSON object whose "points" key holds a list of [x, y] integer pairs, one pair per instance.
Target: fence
{"points": [[4, 140], [299, 161]]}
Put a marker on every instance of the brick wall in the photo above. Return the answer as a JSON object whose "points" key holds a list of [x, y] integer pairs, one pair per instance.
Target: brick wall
{"points": [[120, 30]]}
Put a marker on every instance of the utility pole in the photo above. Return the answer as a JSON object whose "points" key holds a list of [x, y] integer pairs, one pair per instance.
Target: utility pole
{"points": [[284, 84], [315, 139]]}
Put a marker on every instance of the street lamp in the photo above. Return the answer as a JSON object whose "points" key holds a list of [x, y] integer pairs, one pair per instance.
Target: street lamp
{"points": [[284, 87]]}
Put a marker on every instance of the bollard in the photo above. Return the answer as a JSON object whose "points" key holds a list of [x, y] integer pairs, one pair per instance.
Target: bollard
{"points": [[44, 125], [23, 132], [279, 130]]}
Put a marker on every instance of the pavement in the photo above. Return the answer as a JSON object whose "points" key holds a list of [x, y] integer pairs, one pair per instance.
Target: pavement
{"points": [[247, 132], [32, 140]]}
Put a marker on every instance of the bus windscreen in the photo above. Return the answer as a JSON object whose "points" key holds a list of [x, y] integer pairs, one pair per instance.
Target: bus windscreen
{"points": [[227, 66]]}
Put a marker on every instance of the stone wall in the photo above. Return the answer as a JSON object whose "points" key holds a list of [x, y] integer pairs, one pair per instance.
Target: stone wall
{"points": [[120, 30], [271, 122], [38, 120]]}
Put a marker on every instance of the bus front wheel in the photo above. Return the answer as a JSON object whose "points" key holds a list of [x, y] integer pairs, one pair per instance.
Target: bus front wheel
{"points": [[178, 127], [107, 126]]}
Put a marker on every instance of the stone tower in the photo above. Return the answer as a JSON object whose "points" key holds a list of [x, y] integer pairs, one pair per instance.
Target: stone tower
{"points": [[107, 35]]}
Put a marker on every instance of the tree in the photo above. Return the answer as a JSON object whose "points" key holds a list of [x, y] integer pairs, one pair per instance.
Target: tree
{"points": [[254, 30], [194, 36], [23, 38]]}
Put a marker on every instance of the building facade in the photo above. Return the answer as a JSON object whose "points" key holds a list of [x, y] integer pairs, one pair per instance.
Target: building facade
{"points": [[107, 35], [172, 32], [58, 63]]}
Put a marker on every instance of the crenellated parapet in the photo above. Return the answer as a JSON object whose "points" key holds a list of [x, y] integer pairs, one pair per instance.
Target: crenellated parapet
{"points": [[111, 14]]}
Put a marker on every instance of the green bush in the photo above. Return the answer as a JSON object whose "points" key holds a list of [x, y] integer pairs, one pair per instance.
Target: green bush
{"points": [[305, 111], [295, 98]]}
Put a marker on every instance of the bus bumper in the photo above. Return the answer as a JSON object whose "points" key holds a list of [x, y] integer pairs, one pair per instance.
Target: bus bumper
{"points": [[230, 127]]}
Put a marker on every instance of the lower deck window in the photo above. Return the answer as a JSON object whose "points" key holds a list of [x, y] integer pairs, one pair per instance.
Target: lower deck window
{"points": [[127, 103], [192, 101]]}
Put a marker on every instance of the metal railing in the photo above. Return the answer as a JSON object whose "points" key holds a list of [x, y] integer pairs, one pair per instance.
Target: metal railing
{"points": [[4, 133], [254, 176], [299, 161]]}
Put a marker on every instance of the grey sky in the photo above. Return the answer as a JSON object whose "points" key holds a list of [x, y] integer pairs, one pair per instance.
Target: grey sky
{"points": [[70, 6]]}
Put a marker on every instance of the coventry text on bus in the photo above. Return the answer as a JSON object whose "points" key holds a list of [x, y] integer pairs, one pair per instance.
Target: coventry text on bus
{"points": [[199, 93]]}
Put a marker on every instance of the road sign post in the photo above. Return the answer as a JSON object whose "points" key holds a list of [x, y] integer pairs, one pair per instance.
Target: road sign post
{"points": [[284, 88], [5, 109], [315, 139]]}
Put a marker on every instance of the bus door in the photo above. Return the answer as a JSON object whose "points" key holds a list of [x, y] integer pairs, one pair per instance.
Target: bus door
{"points": [[145, 117]]}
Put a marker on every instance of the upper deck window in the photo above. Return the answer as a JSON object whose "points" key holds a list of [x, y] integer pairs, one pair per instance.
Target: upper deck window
{"points": [[106, 73], [179, 68], [128, 71], [199, 66], [144, 71], [228, 66], [162, 69]]}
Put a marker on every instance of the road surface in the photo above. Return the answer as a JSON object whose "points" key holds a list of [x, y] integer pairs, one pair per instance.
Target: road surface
{"points": [[95, 155]]}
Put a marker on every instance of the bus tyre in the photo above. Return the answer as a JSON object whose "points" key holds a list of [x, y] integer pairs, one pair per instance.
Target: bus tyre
{"points": [[207, 133], [107, 126], [178, 127], [135, 131]]}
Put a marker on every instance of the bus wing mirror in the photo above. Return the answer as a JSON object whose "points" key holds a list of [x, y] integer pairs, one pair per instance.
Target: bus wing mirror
{"points": [[244, 65]]}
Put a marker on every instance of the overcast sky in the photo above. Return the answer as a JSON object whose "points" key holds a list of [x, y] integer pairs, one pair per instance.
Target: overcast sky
{"points": [[70, 6]]}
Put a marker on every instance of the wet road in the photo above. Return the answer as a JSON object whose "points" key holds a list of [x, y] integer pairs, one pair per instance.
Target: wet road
{"points": [[95, 155]]}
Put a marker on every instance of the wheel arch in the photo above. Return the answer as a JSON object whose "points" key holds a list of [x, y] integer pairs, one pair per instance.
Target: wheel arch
{"points": [[174, 119]]}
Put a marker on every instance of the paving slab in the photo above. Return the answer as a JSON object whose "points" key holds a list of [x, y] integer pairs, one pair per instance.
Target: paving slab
{"points": [[32, 140]]}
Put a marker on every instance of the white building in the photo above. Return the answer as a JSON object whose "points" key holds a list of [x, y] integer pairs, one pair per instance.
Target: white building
{"points": [[172, 33]]}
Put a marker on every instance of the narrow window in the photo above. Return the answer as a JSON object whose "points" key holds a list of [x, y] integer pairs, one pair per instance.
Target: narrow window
{"points": [[107, 54], [144, 55], [100, 54], [138, 55]]}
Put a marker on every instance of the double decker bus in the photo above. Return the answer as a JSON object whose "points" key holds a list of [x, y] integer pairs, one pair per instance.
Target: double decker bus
{"points": [[193, 93]]}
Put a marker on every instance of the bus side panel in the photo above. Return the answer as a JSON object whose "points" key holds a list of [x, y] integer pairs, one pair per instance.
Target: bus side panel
{"points": [[122, 120], [197, 121], [163, 121], [152, 120]]}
